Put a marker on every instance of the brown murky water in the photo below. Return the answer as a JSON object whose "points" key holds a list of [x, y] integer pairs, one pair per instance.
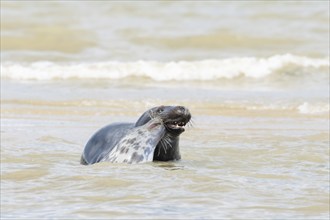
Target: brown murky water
{"points": [[254, 74], [236, 162]]}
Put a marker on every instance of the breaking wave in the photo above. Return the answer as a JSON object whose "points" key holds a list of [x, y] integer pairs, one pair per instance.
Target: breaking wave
{"points": [[205, 70]]}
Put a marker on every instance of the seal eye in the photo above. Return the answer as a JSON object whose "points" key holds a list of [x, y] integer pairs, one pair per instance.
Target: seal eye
{"points": [[160, 110]]}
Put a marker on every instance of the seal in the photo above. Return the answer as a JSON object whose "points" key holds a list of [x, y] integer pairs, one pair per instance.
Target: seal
{"points": [[104, 142], [138, 145]]}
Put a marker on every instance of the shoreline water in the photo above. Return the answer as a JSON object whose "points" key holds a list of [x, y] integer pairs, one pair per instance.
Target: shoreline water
{"points": [[254, 75]]}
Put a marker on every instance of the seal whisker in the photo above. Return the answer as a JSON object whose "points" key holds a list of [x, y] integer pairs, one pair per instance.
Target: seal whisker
{"points": [[191, 123], [167, 141], [158, 151], [164, 147], [163, 144], [164, 141]]}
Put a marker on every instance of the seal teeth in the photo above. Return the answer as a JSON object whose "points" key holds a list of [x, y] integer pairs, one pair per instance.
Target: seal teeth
{"points": [[176, 124]]}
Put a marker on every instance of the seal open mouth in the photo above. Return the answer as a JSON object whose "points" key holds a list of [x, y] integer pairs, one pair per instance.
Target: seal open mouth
{"points": [[176, 119], [175, 125]]}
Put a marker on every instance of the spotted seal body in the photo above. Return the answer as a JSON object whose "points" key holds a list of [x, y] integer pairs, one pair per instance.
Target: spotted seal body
{"points": [[138, 145], [104, 141]]}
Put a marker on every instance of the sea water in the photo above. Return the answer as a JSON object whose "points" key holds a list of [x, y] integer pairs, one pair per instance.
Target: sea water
{"points": [[254, 75]]}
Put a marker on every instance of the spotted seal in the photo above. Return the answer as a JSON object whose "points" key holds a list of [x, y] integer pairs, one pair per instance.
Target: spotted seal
{"points": [[174, 119], [139, 144]]}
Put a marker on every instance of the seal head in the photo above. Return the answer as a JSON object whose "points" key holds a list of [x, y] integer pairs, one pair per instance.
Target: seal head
{"points": [[175, 119]]}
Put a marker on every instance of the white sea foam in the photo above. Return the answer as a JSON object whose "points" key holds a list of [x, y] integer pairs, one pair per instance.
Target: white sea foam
{"points": [[313, 109], [306, 108], [160, 71]]}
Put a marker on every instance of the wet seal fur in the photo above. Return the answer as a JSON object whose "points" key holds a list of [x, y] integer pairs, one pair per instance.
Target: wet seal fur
{"points": [[139, 144], [160, 127]]}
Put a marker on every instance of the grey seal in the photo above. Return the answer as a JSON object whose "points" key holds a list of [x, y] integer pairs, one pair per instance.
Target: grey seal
{"points": [[139, 144], [106, 141]]}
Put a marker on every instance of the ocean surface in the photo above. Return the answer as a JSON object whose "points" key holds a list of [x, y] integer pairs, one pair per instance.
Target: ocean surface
{"points": [[254, 75]]}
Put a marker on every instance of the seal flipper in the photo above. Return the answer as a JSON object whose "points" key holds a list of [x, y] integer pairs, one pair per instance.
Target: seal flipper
{"points": [[82, 160]]}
